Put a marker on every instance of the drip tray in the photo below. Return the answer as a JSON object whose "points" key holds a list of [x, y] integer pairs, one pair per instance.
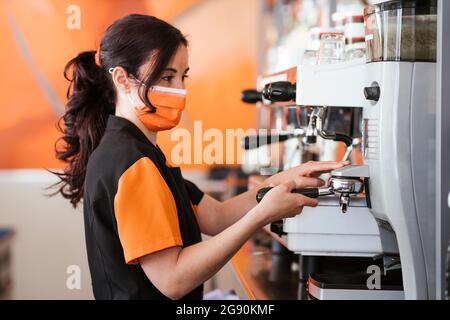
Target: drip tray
{"points": [[353, 286]]}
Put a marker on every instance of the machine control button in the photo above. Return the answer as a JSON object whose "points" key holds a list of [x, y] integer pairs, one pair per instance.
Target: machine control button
{"points": [[448, 200], [372, 93]]}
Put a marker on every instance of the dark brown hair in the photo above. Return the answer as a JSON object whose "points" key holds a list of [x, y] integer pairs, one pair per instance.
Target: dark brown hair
{"points": [[129, 42]]}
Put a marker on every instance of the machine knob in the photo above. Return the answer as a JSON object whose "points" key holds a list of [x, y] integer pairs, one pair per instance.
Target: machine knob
{"points": [[281, 91], [251, 96], [372, 93], [277, 228], [311, 139]]}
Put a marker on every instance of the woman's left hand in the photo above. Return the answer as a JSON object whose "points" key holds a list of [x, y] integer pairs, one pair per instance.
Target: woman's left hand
{"points": [[306, 174]]}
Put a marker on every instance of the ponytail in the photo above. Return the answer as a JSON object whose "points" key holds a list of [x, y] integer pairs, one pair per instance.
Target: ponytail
{"points": [[91, 99]]}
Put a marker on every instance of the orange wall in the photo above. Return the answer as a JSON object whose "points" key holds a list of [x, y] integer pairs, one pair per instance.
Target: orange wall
{"points": [[36, 45]]}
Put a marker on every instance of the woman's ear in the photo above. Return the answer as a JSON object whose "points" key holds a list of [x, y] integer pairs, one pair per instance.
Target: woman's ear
{"points": [[120, 79]]}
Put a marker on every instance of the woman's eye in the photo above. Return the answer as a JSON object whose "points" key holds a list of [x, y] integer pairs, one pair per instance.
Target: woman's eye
{"points": [[167, 78], [185, 77]]}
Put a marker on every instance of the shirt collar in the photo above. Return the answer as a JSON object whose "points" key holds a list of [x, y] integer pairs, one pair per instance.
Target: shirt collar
{"points": [[119, 123]]}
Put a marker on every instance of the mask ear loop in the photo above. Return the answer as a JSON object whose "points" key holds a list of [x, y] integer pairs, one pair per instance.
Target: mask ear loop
{"points": [[141, 83], [130, 99], [111, 71]]}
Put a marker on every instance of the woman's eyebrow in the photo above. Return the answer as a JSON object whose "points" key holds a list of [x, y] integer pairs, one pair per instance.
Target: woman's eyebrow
{"points": [[170, 69], [175, 70]]}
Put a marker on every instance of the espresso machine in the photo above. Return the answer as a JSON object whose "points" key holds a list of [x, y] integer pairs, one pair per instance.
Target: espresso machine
{"points": [[380, 214], [281, 126]]}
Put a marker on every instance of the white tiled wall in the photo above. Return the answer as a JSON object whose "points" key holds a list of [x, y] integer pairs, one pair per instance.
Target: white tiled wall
{"points": [[49, 237]]}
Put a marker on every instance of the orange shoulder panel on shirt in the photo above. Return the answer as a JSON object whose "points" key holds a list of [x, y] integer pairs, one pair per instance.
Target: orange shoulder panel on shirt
{"points": [[145, 211]]}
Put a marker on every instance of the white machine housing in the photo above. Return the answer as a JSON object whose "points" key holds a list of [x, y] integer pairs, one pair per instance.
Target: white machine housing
{"points": [[399, 143]]}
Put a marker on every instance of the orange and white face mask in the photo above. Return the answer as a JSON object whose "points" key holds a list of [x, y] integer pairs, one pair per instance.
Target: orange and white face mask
{"points": [[169, 104]]}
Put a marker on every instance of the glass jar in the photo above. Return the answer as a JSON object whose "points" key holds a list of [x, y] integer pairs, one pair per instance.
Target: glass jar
{"points": [[354, 37], [401, 30], [309, 57], [355, 50], [332, 48]]}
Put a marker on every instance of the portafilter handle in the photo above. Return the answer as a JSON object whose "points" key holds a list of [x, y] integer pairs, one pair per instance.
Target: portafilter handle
{"points": [[308, 192], [256, 141]]}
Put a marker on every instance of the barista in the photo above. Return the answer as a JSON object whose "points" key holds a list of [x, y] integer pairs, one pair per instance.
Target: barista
{"points": [[143, 220]]}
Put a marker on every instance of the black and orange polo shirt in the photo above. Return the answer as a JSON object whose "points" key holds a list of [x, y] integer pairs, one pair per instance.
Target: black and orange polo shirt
{"points": [[134, 204]]}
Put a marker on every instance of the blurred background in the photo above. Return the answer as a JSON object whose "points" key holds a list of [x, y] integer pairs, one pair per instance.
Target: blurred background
{"points": [[231, 43]]}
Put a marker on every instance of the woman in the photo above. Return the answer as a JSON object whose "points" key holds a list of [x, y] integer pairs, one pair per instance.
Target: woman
{"points": [[142, 219]]}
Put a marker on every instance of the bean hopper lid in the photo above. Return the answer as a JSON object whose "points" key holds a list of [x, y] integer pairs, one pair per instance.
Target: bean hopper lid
{"points": [[400, 4]]}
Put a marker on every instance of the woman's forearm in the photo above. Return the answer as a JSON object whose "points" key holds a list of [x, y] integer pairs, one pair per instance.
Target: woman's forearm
{"points": [[176, 271], [199, 262], [235, 208]]}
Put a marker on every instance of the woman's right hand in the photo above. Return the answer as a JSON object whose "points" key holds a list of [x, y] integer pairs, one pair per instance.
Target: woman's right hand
{"points": [[280, 203]]}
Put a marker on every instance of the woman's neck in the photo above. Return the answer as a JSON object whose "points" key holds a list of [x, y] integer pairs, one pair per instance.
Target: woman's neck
{"points": [[151, 135]]}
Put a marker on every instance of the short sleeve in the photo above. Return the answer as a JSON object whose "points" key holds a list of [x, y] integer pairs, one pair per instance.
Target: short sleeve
{"points": [[195, 194], [145, 211]]}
